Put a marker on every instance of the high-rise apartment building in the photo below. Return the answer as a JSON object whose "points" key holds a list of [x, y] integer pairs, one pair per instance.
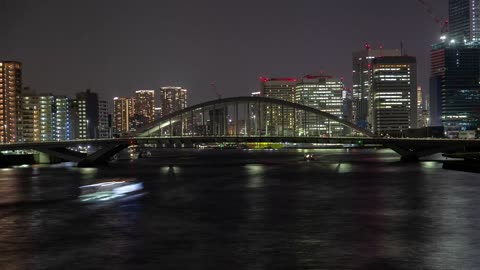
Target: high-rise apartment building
{"points": [[394, 94], [324, 93], [39, 118], [62, 118], [464, 21], [78, 118], [104, 128], [123, 113], [10, 101], [85, 115], [145, 105], [278, 121], [362, 80], [172, 99]]}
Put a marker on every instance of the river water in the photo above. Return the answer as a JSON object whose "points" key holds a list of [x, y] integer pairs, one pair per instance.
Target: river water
{"points": [[235, 209]]}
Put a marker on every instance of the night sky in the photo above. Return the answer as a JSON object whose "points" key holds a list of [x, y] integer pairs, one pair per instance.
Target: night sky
{"points": [[116, 47]]}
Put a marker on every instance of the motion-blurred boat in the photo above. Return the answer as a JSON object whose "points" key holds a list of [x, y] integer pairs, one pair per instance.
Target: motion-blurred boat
{"points": [[110, 190]]}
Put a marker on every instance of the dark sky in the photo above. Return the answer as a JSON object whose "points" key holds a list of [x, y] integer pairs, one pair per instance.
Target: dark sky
{"points": [[116, 47]]}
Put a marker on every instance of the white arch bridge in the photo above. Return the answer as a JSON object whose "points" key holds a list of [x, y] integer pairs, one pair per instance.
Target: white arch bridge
{"points": [[251, 116]]}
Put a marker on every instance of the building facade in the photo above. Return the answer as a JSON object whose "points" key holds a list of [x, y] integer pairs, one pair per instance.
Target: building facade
{"points": [[455, 71], [63, 126], [394, 95], [104, 127], [145, 105], [173, 99], [464, 21], [277, 120], [10, 101], [39, 118], [123, 113], [324, 93], [362, 81], [454, 87], [85, 115]]}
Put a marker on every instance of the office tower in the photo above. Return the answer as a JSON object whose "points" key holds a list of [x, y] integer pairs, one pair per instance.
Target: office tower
{"points": [[362, 77], [85, 115], [172, 99], [277, 121], [62, 118], [145, 106], [455, 72], [324, 93], [123, 113], [104, 129], [454, 87], [39, 118], [464, 21], [394, 94], [10, 101]]}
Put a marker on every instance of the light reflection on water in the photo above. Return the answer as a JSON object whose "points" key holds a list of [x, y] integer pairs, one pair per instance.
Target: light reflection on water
{"points": [[347, 209], [255, 175]]}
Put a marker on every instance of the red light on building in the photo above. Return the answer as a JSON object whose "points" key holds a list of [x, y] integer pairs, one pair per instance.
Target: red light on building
{"points": [[264, 79]]}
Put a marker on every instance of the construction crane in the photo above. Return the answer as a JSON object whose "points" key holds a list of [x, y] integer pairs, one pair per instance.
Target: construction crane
{"points": [[442, 22], [215, 90]]}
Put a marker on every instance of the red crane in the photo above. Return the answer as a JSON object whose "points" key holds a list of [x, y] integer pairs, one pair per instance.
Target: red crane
{"points": [[442, 22]]}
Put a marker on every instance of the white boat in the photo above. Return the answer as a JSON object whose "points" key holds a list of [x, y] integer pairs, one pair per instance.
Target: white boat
{"points": [[110, 190]]}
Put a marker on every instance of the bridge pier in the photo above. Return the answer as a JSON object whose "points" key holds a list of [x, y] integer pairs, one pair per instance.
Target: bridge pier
{"points": [[413, 152], [99, 158]]}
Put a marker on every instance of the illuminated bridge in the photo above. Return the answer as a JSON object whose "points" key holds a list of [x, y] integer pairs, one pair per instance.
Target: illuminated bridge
{"points": [[245, 120]]}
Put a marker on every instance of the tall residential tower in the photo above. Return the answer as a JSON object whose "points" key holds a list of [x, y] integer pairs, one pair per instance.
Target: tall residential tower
{"points": [[172, 99], [10, 101]]}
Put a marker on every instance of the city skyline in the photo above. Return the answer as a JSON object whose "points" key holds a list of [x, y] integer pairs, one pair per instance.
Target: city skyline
{"points": [[89, 56]]}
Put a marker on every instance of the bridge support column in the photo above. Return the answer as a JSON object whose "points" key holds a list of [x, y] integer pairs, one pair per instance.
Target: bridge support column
{"points": [[42, 158]]}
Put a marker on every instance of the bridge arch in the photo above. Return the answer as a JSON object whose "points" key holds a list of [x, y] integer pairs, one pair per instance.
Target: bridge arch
{"points": [[268, 117]]}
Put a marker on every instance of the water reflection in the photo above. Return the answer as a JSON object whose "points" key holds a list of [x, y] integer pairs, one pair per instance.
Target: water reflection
{"points": [[255, 175], [261, 210]]}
